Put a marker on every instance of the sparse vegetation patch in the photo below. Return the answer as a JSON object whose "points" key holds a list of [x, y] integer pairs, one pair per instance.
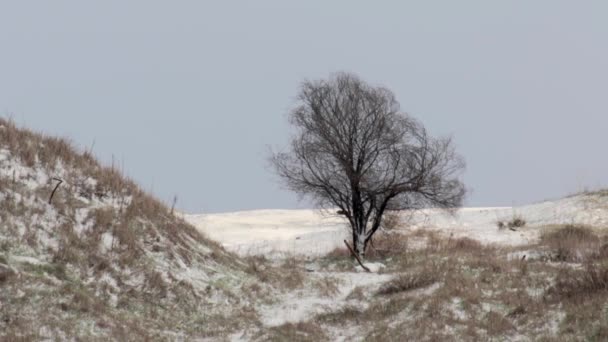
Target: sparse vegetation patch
{"points": [[572, 243], [101, 259]]}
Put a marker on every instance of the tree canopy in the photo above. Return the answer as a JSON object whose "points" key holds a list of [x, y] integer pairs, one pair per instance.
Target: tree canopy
{"points": [[356, 151]]}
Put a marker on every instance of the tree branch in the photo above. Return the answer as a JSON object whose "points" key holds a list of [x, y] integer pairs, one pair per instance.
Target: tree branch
{"points": [[356, 256]]}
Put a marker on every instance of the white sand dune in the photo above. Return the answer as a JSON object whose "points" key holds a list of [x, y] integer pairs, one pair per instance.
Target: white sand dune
{"points": [[311, 233], [307, 233]]}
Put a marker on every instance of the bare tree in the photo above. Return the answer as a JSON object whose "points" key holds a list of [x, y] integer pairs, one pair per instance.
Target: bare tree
{"points": [[356, 151]]}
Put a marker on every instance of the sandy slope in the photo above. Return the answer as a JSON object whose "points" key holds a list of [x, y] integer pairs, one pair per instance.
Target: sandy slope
{"points": [[312, 233], [91, 258], [272, 231]]}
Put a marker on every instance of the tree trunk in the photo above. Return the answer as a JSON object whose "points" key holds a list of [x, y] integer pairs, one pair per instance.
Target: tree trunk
{"points": [[359, 244], [354, 239]]}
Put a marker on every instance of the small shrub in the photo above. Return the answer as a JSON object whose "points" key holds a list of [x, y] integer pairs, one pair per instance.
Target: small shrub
{"points": [[497, 324], [516, 222], [489, 263], [328, 286], [342, 315], [576, 285], [385, 244], [288, 275], [5, 273], [464, 245], [156, 283], [517, 311], [338, 253], [257, 265], [572, 243], [356, 294], [392, 220]]}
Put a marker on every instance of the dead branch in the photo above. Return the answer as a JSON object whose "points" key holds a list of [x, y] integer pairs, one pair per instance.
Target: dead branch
{"points": [[173, 204], [356, 256], [56, 187]]}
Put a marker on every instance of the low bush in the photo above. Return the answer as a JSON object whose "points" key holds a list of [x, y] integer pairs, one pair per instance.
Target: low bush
{"points": [[571, 243], [575, 285], [464, 244], [386, 244], [515, 222], [392, 220]]}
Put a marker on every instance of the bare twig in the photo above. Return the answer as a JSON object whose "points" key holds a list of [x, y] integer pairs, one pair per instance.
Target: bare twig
{"points": [[173, 204], [56, 187], [90, 150], [356, 256]]}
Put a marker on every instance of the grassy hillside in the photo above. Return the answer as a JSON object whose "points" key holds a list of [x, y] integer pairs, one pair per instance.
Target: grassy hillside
{"points": [[102, 259]]}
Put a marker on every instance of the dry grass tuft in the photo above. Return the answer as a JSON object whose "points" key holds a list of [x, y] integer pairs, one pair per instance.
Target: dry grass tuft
{"points": [[301, 331], [497, 324], [392, 220], [103, 248], [464, 245], [358, 293], [407, 282], [5, 273], [328, 286], [338, 253], [468, 291], [572, 243], [344, 314], [288, 275], [580, 284], [386, 244], [516, 222]]}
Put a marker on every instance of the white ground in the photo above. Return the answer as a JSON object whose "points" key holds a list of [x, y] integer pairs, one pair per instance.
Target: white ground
{"points": [[273, 231], [308, 232]]}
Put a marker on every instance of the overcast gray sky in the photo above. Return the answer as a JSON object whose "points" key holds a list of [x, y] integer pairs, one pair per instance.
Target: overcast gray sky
{"points": [[189, 94]]}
